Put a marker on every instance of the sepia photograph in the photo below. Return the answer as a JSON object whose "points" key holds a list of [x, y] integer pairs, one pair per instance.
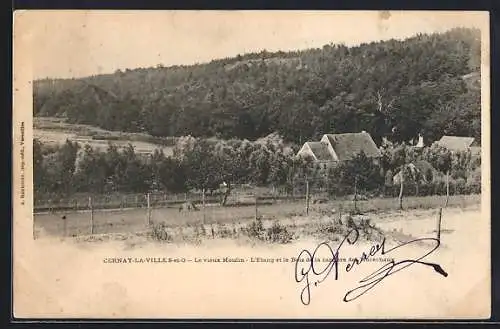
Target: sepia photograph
{"points": [[251, 164]]}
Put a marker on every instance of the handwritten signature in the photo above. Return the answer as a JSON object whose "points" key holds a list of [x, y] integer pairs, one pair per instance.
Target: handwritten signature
{"points": [[313, 271]]}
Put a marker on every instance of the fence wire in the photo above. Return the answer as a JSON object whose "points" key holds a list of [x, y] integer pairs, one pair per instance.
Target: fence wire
{"points": [[103, 214]]}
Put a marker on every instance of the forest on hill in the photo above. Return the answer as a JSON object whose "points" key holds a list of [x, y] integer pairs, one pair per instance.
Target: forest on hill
{"points": [[389, 88]]}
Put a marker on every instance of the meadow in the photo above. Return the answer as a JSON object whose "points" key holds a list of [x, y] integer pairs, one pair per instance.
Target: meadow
{"points": [[55, 131], [77, 271], [230, 219]]}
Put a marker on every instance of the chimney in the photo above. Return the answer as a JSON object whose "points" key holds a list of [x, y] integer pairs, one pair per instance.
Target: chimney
{"points": [[420, 141]]}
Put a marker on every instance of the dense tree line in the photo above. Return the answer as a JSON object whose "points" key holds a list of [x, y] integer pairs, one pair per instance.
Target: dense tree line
{"points": [[196, 164], [407, 170], [390, 88], [201, 164]]}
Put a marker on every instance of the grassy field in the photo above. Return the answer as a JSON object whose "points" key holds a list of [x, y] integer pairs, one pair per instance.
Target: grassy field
{"points": [[75, 267], [135, 220], [53, 131]]}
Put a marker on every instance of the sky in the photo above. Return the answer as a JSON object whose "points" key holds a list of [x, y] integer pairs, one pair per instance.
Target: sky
{"points": [[67, 44]]}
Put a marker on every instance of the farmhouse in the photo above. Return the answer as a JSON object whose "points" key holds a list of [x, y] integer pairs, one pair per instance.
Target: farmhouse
{"points": [[334, 148], [460, 144]]}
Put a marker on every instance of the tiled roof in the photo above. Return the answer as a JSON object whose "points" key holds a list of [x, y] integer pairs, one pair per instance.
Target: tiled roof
{"points": [[348, 145], [320, 151], [456, 143]]}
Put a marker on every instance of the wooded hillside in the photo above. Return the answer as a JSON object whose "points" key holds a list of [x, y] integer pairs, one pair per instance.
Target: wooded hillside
{"points": [[390, 88]]}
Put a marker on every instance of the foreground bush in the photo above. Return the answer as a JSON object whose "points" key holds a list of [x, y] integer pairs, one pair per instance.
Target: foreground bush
{"points": [[256, 229], [278, 233], [159, 232]]}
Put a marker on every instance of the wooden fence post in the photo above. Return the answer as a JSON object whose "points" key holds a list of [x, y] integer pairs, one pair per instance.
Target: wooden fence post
{"points": [[235, 231], [401, 190], [447, 188], [149, 209], [355, 193], [256, 207], [307, 196], [438, 226], [203, 204], [91, 216], [65, 226]]}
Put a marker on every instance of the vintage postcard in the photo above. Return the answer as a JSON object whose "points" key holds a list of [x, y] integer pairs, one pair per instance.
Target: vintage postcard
{"points": [[251, 165]]}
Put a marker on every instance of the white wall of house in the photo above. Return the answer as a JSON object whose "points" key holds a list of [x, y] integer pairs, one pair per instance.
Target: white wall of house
{"points": [[326, 165], [325, 139], [306, 151]]}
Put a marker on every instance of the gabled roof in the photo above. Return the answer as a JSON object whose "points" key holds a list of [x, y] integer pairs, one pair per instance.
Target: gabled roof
{"points": [[320, 151], [456, 143], [348, 145]]}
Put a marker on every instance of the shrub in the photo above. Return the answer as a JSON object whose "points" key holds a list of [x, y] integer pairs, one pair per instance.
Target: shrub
{"points": [[473, 187], [331, 230], [256, 229], [370, 232], [223, 231], [350, 223], [202, 230], [159, 232], [458, 186], [278, 233], [199, 230]]}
